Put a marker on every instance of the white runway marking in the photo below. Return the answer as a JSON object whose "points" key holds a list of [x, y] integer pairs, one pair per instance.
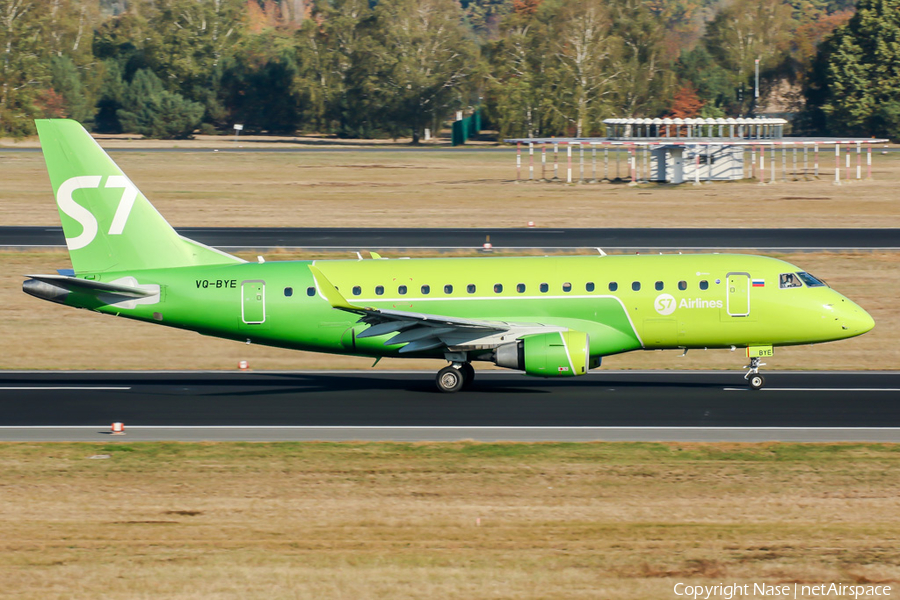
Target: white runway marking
{"points": [[62, 387], [813, 389]]}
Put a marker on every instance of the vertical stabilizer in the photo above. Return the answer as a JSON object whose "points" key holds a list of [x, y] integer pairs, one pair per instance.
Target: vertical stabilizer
{"points": [[108, 223]]}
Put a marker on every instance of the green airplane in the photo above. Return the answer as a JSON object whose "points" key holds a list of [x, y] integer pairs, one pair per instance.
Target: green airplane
{"points": [[546, 316]]}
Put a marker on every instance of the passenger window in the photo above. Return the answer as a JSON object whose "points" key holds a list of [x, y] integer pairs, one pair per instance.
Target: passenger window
{"points": [[567, 287], [426, 289], [520, 288], [704, 285], [357, 290], [636, 286], [401, 290], [470, 288], [498, 287], [613, 286], [310, 291], [589, 286], [789, 280], [682, 285], [659, 286], [448, 289], [544, 288], [288, 292], [379, 290]]}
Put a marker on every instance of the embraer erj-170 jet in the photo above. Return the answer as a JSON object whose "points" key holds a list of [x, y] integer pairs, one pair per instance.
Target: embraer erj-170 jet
{"points": [[547, 316]]}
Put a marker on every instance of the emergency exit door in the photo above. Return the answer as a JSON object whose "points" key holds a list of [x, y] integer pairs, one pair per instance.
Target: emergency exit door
{"points": [[253, 302], [737, 302]]}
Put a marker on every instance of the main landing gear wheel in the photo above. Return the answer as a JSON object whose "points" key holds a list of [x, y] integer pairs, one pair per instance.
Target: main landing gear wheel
{"points": [[450, 379], [468, 372], [756, 381]]}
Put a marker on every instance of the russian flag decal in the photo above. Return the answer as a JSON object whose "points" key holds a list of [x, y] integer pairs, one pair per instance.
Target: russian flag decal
{"points": [[759, 283]]}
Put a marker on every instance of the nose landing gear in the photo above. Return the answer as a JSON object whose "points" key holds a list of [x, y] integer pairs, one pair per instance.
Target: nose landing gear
{"points": [[754, 379]]}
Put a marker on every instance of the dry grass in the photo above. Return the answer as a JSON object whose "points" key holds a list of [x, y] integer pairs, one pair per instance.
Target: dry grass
{"points": [[400, 521], [57, 337], [445, 188]]}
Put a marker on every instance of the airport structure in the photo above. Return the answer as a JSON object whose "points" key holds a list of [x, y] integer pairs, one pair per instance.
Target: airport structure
{"points": [[697, 150]]}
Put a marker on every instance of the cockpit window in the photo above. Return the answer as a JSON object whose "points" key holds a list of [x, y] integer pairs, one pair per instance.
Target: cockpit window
{"points": [[809, 280], [789, 280]]}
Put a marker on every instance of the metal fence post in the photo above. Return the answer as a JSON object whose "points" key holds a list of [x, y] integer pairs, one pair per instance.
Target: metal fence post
{"points": [[837, 163], [531, 162]]}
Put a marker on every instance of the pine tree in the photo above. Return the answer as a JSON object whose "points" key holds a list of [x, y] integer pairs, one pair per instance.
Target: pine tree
{"points": [[148, 109], [856, 81]]}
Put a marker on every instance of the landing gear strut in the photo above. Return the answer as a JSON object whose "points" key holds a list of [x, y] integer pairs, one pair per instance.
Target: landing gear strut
{"points": [[754, 379], [455, 377]]}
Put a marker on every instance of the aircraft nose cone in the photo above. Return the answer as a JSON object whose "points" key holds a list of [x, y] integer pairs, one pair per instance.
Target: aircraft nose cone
{"points": [[856, 321], [865, 322]]}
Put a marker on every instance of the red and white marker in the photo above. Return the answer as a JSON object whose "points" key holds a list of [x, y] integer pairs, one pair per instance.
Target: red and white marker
{"points": [[531, 223], [487, 246], [118, 429], [243, 365]]}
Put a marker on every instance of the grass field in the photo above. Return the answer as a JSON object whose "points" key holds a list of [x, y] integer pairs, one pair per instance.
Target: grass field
{"points": [[461, 520], [446, 188], [57, 337]]}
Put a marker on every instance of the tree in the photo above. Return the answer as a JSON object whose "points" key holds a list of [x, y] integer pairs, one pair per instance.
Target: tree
{"points": [[856, 80], [336, 53], [743, 32], [149, 109], [427, 64], [78, 100], [685, 104], [259, 84], [585, 55], [188, 40], [643, 66], [518, 83]]}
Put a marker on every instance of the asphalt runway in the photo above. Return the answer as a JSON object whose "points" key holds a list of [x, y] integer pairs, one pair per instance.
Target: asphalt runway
{"points": [[374, 238], [405, 406]]}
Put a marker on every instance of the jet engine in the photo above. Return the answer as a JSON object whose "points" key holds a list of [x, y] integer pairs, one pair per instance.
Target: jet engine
{"points": [[554, 354]]}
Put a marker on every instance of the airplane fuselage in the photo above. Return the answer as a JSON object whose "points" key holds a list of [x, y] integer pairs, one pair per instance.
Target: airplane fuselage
{"points": [[622, 302]]}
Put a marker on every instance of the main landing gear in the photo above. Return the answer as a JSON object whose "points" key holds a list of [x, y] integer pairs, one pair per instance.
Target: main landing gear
{"points": [[754, 379], [455, 377]]}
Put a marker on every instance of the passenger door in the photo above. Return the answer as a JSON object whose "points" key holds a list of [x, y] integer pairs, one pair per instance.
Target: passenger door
{"points": [[737, 299], [253, 301]]}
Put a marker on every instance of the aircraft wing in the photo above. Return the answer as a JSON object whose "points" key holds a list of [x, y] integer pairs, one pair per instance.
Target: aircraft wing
{"points": [[421, 331]]}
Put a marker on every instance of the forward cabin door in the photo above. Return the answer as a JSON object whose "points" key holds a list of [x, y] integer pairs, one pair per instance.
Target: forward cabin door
{"points": [[253, 302], [737, 302]]}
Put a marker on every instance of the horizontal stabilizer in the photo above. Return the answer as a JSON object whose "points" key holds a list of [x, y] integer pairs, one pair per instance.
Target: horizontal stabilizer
{"points": [[74, 284]]}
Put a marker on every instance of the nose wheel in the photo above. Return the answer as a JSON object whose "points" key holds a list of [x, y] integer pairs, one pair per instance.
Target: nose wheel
{"points": [[754, 379]]}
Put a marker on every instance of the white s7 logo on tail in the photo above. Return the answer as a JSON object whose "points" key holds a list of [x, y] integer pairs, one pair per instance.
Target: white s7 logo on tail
{"points": [[84, 217]]}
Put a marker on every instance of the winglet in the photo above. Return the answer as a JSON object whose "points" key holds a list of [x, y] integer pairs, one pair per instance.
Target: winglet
{"points": [[331, 293]]}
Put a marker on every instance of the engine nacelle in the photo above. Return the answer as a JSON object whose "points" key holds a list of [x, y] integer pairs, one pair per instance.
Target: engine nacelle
{"points": [[555, 354]]}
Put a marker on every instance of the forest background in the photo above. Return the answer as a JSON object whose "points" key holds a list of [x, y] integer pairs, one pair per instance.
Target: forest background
{"points": [[391, 68]]}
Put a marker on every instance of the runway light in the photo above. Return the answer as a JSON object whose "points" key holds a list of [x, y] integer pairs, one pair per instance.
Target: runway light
{"points": [[243, 365], [118, 429]]}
